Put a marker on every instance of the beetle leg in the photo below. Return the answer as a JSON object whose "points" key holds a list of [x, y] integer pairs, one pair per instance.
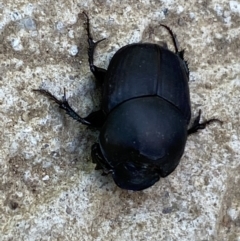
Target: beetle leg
{"points": [[99, 73], [176, 46], [181, 55], [63, 104], [197, 125], [99, 160], [174, 39]]}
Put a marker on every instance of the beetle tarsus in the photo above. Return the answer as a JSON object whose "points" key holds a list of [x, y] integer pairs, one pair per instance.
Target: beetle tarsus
{"points": [[63, 104], [99, 73], [199, 126]]}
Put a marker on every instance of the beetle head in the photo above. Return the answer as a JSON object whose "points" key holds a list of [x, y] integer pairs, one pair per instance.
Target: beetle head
{"points": [[133, 172], [135, 176], [142, 140]]}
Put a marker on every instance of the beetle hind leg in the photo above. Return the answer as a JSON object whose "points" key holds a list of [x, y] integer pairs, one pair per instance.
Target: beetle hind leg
{"points": [[176, 46], [99, 73], [198, 126], [181, 55], [174, 39]]}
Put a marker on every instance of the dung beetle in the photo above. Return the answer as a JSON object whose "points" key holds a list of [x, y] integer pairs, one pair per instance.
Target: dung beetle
{"points": [[144, 115]]}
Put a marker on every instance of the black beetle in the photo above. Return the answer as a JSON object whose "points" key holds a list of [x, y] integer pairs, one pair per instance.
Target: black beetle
{"points": [[144, 115]]}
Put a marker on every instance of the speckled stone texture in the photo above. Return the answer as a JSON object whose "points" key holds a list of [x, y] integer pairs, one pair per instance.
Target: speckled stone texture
{"points": [[49, 189]]}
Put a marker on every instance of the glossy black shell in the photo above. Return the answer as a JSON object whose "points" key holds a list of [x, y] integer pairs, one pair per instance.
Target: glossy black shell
{"points": [[147, 106]]}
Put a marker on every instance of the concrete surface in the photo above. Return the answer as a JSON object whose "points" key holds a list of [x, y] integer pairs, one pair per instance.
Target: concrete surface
{"points": [[49, 189]]}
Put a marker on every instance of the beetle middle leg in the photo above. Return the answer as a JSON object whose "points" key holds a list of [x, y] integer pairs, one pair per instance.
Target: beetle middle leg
{"points": [[94, 119], [198, 126], [99, 73]]}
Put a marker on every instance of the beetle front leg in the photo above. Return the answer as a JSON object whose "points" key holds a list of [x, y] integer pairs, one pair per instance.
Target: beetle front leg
{"points": [[95, 119], [197, 125], [99, 73]]}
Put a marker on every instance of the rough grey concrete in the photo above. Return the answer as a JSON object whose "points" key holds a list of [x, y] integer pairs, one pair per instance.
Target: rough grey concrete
{"points": [[49, 189]]}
